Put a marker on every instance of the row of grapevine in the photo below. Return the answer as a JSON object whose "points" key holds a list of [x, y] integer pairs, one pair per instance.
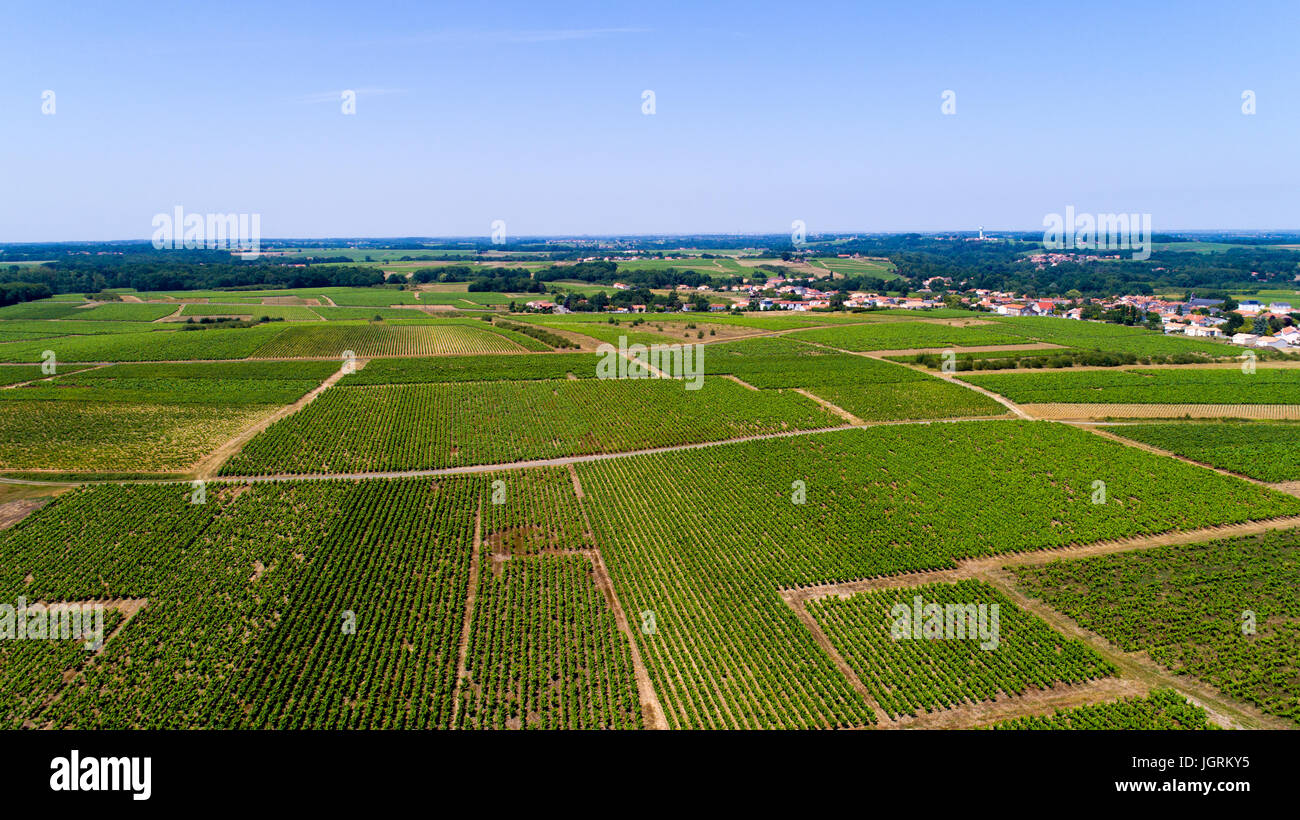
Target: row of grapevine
{"points": [[1226, 611], [1267, 451], [905, 335], [332, 340], [423, 426], [704, 539], [1176, 386], [144, 343], [496, 367], [913, 673], [1162, 709], [325, 604], [545, 652]]}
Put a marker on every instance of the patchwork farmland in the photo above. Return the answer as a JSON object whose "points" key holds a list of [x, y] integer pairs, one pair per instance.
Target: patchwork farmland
{"points": [[341, 508]]}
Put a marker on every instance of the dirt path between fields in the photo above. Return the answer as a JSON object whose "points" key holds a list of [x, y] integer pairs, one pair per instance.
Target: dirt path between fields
{"points": [[975, 568], [836, 409], [654, 371], [559, 461], [128, 607], [1138, 672], [1000, 399], [948, 377], [1034, 701], [1151, 448], [55, 376], [652, 713], [207, 467], [1289, 487], [467, 622], [806, 618], [739, 381]]}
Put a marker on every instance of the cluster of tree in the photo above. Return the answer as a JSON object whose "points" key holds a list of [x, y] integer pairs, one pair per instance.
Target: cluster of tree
{"points": [[448, 273], [1000, 265], [1123, 315], [507, 280], [607, 273], [13, 292], [521, 280], [147, 269], [1004, 266], [601, 301]]}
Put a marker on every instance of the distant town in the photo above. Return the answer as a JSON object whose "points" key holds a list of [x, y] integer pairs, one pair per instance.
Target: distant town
{"points": [[1248, 322]]}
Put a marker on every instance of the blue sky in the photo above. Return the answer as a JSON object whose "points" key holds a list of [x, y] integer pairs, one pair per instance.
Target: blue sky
{"points": [[531, 113]]}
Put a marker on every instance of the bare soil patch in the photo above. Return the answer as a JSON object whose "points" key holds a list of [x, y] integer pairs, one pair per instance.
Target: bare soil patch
{"points": [[1087, 412], [11, 512]]}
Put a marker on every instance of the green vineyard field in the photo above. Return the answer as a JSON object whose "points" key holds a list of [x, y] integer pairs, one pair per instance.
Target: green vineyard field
{"points": [[706, 538], [1226, 612], [1178, 386], [427, 426], [912, 674], [1262, 450], [1163, 709]]}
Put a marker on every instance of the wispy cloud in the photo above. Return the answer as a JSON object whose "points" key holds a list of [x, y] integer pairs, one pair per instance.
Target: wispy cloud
{"points": [[505, 36], [335, 96], [553, 35]]}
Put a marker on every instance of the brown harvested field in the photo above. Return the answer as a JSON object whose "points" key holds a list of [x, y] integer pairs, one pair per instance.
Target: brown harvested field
{"points": [[1084, 412]]}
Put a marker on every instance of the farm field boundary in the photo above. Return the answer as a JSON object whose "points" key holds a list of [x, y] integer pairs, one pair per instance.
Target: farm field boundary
{"points": [[1099, 411], [1292, 487], [559, 461], [208, 466], [916, 351], [652, 712], [467, 624], [127, 608], [1138, 672]]}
